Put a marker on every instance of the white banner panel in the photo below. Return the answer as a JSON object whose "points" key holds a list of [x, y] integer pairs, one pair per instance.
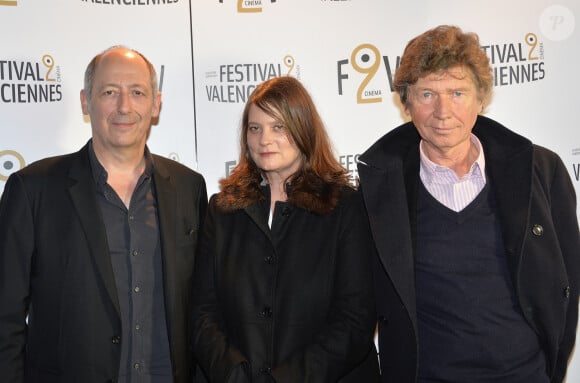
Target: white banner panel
{"points": [[345, 53], [46, 46]]}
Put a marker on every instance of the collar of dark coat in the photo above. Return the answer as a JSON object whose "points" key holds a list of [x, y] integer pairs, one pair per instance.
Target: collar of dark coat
{"points": [[499, 143], [313, 195]]}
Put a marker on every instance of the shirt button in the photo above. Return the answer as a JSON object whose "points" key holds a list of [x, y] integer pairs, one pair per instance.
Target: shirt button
{"points": [[134, 253], [266, 370], [137, 327], [266, 312], [137, 289], [116, 339], [567, 292], [136, 366]]}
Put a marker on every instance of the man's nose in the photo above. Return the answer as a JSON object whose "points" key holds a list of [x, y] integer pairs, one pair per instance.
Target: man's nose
{"points": [[124, 102]]}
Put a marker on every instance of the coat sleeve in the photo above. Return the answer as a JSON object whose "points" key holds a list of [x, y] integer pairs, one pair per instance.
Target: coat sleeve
{"points": [[564, 215], [346, 340], [16, 250], [219, 360]]}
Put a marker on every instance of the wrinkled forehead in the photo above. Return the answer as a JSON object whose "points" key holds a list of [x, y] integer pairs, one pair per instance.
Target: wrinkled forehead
{"points": [[122, 59], [453, 73]]}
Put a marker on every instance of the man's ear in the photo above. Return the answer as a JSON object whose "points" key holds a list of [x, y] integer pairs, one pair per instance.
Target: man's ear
{"points": [[156, 106], [84, 102]]}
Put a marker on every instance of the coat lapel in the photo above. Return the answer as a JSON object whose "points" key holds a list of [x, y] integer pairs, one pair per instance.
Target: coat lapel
{"points": [[82, 192], [509, 167], [257, 215], [385, 199], [167, 210]]}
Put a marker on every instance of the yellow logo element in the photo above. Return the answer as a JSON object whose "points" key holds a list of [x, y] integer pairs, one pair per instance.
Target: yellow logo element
{"points": [[532, 41], [289, 62], [368, 65], [249, 6], [7, 159], [8, 2], [48, 62]]}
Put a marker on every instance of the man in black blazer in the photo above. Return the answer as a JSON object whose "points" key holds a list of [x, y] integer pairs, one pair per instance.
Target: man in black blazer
{"points": [[476, 231], [97, 247]]}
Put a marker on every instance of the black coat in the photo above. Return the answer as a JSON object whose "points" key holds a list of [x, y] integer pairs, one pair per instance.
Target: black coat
{"points": [[537, 208], [294, 302], [55, 266]]}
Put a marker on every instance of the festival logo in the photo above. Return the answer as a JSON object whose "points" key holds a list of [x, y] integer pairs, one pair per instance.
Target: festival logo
{"points": [[10, 162], [371, 72], [250, 6], [517, 62], [233, 83], [24, 82], [131, 2]]}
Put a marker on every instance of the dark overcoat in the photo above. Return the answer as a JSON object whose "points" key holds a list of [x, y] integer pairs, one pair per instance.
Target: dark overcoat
{"points": [[55, 267], [294, 302], [537, 209]]}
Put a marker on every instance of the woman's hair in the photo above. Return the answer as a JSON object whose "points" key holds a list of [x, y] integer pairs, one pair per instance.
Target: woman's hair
{"points": [[438, 50], [318, 182]]}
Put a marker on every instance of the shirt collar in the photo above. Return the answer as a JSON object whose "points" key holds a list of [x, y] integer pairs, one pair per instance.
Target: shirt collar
{"points": [[430, 170], [100, 173]]}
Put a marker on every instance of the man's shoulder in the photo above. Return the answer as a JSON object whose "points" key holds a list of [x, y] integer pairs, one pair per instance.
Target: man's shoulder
{"points": [[50, 166], [181, 175], [173, 167], [500, 142], [395, 143]]}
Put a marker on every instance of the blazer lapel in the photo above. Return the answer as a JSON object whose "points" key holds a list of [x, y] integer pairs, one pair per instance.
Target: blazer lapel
{"points": [[82, 193], [167, 210]]}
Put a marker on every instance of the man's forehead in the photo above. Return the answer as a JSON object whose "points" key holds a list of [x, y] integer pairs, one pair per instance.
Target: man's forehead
{"points": [[122, 71], [456, 77]]}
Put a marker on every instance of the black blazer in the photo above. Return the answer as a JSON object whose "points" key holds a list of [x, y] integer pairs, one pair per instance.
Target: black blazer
{"points": [[537, 207], [294, 302], [55, 267]]}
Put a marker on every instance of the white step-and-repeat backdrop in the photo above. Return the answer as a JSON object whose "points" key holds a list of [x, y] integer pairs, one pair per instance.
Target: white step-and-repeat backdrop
{"points": [[210, 54]]}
